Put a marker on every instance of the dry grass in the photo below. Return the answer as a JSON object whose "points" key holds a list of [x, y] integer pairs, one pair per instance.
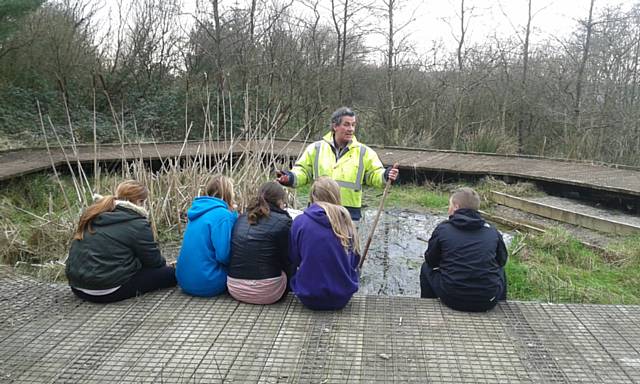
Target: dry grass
{"points": [[34, 242], [36, 235]]}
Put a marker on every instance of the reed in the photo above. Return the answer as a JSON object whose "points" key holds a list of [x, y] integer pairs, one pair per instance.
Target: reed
{"points": [[38, 240]]}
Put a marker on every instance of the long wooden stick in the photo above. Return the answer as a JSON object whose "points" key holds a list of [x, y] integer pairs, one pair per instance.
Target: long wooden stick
{"points": [[375, 221]]}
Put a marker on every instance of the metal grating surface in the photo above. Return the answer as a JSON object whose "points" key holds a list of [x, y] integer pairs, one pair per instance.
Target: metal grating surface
{"points": [[46, 335]]}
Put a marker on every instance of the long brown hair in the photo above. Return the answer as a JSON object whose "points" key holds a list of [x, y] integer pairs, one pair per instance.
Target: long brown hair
{"points": [[326, 193], [129, 190], [221, 187], [269, 193]]}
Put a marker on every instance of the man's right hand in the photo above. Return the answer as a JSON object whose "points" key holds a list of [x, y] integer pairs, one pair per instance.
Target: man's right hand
{"points": [[283, 178]]}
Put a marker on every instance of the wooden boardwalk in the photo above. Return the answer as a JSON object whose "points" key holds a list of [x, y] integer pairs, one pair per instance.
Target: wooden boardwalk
{"points": [[622, 180], [49, 336]]}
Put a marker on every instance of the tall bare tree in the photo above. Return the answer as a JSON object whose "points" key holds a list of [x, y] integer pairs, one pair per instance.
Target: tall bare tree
{"points": [[523, 81], [588, 27], [396, 45], [344, 14], [463, 18], [340, 26]]}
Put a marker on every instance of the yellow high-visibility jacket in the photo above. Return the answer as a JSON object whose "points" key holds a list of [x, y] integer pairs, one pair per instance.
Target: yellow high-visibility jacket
{"points": [[358, 166]]}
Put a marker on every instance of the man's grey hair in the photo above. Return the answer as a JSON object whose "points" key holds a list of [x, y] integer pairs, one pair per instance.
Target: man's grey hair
{"points": [[336, 116]]}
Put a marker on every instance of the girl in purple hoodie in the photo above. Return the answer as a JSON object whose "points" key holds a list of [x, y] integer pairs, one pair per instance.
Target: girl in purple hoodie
{"points": [[323, 249]]}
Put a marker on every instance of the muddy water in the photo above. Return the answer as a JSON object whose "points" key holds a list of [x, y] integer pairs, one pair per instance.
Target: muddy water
{"points": [[392, 266]]}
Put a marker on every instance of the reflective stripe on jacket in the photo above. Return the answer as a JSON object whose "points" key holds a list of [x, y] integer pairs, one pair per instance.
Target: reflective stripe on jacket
{"points": [[358, 166]]}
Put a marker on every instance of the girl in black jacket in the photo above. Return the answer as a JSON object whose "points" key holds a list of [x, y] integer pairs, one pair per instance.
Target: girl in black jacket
{"points": [[113, 254], [259, 262]]}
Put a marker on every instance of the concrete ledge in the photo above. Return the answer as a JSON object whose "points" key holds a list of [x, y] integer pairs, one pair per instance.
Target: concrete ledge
{"points": [[565, 215]]}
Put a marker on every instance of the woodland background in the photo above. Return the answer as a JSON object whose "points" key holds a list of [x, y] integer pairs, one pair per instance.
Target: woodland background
{"points": [[247, 64]]}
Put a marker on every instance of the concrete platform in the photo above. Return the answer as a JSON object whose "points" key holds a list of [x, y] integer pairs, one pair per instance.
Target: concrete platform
{"points": [[47, 335]]}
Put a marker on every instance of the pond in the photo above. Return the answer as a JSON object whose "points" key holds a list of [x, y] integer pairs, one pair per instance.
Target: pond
{"points": [[392, 265]]}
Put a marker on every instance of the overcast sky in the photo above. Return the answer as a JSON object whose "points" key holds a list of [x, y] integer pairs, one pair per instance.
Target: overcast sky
{"points": [[504, 17], [434, 19]]}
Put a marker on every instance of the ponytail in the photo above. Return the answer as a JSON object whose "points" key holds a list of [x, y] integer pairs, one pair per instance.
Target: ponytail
{"points": [[259, 208], [270, 193], [129, 190], [106, 204]]}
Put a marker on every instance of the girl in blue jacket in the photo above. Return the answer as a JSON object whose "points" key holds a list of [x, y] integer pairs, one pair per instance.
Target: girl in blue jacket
{"points": [[323, 249], [201, 269]]}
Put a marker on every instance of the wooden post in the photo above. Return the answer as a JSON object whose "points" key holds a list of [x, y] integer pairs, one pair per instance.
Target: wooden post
{"points": [[375, 221]]}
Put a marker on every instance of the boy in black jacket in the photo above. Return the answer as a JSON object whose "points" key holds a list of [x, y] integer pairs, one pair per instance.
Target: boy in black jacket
{"points": [[465, 260]]}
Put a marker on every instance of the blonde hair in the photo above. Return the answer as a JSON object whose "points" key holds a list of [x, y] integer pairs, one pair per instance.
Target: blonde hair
{"points": [[129, 190], [221, 187], [466, 198], [325, 192]]}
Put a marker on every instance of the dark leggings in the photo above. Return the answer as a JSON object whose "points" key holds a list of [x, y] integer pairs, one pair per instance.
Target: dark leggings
{"points": [[146, 280], [430, 288]]}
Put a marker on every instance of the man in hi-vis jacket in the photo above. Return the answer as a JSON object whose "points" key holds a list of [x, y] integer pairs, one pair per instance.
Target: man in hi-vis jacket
{"points": [[340, 156]]}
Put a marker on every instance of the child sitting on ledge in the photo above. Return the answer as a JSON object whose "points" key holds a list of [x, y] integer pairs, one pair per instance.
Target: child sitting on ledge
{"points": [[465, 259]]}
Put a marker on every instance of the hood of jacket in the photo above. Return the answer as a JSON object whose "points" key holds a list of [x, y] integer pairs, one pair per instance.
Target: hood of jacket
{"points": [[467, 219], [124, 211], [317, 214], [204, 204], [124, 203]]}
